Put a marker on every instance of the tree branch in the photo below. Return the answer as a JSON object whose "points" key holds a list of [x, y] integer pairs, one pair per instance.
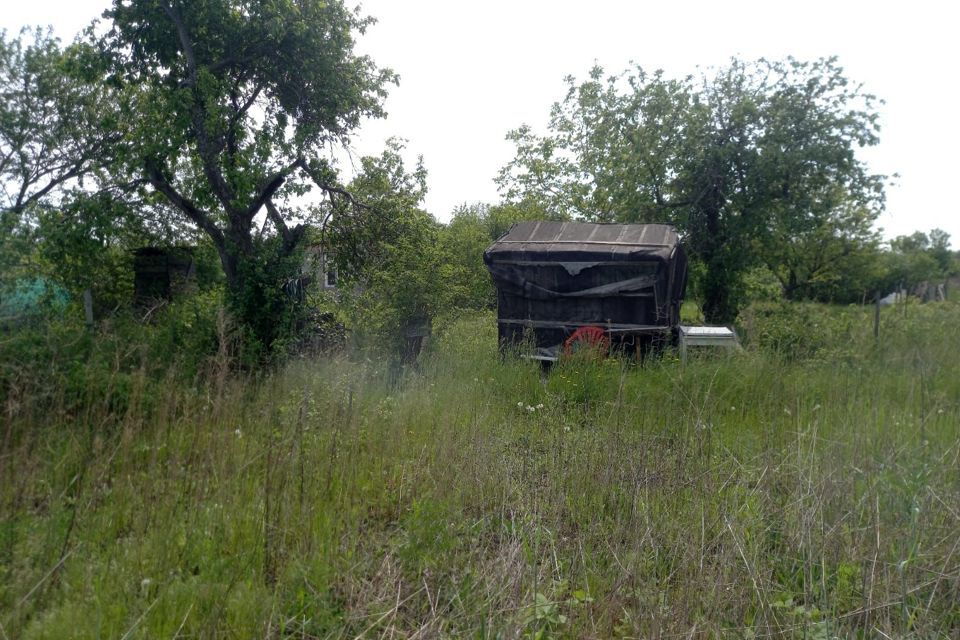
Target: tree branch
{"points": [[208, 150], [191, 210], [269, 188], [231, 61], [274, 216], [242, 109], [185, 43], [291, 237], [330, 189], [208, 154]]}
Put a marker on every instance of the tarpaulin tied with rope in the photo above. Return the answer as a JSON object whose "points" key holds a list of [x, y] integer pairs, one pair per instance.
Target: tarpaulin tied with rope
{"points": [[555, 277]]}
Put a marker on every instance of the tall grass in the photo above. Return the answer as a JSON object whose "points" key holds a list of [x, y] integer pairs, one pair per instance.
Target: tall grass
{"points": [[786, 491]]}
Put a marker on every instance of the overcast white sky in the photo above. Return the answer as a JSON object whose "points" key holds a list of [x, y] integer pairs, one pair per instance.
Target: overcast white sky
{"points": [[470, 71]]}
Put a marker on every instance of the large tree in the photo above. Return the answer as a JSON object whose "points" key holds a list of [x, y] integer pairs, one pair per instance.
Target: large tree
{"points": [[394, 276], [55, 136], [745, 160], [232, 108], [919, 258], [54, 126]]}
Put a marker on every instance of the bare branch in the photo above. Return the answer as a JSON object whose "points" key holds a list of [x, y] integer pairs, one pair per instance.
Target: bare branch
{"points": [[242, 109]]}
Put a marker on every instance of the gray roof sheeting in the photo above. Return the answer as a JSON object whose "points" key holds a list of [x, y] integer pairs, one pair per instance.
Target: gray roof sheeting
{"points": [[564, 241]]}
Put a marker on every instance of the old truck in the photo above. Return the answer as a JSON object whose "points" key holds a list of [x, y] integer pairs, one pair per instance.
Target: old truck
{"points": [[564, 285]]}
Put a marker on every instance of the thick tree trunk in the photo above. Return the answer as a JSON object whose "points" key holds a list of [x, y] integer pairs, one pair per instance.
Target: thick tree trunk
{"points": [[230, 264], [236, 248], [718, 300], [718, 305], [792, 286], [256, 278]]}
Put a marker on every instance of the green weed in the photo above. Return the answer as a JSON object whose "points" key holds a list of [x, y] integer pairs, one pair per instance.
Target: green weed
{"points": [[795, 489]]}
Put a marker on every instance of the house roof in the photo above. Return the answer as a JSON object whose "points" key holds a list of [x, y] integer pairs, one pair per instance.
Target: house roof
{"points": [[581, 241]]}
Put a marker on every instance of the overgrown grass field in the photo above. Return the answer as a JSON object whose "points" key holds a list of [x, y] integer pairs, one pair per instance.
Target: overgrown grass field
{"points": [[807, 487]]}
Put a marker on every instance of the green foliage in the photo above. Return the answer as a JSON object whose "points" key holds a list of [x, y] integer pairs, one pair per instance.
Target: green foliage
{"points": [[738, 495], [261, 298], [754, 163], [392, 269], [405, 290], [831, 256], [759, 284], [806, 331], [391, 198], [58, 363], [230, 108], [50, 123], [87, 246], [919, 258], [69, 215], [462, 242], [53, 144]]}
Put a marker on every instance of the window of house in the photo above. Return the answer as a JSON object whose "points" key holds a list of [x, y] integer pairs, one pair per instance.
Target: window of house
{"points": [[330, 276]]}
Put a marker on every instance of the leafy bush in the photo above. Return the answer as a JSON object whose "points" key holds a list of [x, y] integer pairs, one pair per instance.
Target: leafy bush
{"points": [[731, 496], [61, 363], [806, 331]]}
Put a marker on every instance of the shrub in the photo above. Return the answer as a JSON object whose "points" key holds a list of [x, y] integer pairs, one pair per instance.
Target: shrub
{"points": [[806, 331]]}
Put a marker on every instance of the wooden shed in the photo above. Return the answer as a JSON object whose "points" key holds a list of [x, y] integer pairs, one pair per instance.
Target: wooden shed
{"points": [[161, 272], [562, 282]]}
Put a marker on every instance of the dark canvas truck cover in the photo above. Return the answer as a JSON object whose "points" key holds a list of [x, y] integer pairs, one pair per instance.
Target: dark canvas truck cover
{"points": [[555, 277]]}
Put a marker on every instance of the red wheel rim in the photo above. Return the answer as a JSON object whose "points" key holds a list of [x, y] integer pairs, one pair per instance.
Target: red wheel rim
{"points": [[591, 337]]}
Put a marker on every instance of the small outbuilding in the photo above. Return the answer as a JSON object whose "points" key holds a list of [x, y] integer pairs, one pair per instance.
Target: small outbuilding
{"points": [[159, 273], [563, 283]]}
